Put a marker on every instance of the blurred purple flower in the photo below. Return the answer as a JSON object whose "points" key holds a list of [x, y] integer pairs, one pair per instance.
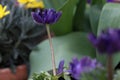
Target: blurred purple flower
{"points": [[85, 65], [113, 1], [88, 1], [110, 0], [60, 67], [108, 41], [46, 16]]}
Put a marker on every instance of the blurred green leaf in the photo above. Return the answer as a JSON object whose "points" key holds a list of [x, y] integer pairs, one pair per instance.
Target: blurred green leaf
{"points": [[79, 17], [64, 25], [116, 59], [54, 3], [65, 47], [98, 73], [98, 2], [94, 14], [110, 17]]}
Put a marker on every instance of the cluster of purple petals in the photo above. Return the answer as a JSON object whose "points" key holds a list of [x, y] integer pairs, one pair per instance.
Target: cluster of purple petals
{"points": [[60, 67], [85, 65], [110, 0], [46, 16], [118, 1], [107, 42]]}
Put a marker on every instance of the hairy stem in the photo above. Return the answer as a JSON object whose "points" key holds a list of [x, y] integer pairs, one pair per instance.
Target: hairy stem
{"points": [[52, 50], [109, 68]]}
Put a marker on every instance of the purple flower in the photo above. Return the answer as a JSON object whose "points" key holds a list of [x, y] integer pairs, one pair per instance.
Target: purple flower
{"points": [[108, 41], [113, 1], [60, 67], [46, 16], [85, 65], [110, 0], [88, 1]]}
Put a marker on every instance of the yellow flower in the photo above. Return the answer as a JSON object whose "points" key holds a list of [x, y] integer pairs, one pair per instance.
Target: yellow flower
{"points": [[25, 1], [3, 11], [32, 3], [35, 4]]}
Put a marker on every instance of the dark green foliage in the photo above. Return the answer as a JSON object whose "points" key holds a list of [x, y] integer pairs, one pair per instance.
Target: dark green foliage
{"points": [[18, 35], [79, 16]]}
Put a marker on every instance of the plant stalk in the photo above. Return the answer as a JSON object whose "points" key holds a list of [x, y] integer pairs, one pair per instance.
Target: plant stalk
{"points": [[109, 68], [52, 50]]}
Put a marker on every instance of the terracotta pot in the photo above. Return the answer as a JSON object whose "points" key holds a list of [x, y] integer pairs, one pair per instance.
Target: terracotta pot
{"points": [[21, 73]]}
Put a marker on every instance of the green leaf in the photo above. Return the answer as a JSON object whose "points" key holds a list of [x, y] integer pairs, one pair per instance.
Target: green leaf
{"points": [[54, 3], [116, 59], [64, 25], [94, 15], [65, 47], [110, 17], [98, 2], [79, 17], [96, 74]]}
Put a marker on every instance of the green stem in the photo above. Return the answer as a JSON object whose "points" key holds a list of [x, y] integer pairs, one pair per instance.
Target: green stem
{"points": [[52, 50], [109, 68], [17, 43]]}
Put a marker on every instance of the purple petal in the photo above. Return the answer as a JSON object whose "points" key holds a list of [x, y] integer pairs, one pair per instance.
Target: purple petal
{"points": [[89, 1], [85, 61], [58, 15], [37, 18], [117, 1], [102, 43], [107, 41], [60, 67], [110, 0], [46, 16], [50, 16], [86, 64], [92, 38]]}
